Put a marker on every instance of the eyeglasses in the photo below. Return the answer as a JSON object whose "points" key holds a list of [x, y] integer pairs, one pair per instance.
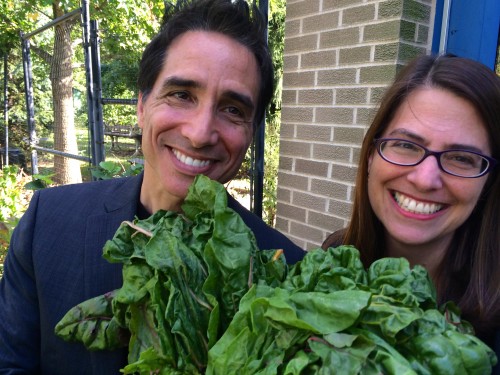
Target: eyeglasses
{"points": [[461, 163]]}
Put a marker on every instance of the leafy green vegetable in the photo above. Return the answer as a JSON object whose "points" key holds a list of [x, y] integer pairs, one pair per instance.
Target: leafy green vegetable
{"points": [[331, 313], [183, 278], [198, 296]]}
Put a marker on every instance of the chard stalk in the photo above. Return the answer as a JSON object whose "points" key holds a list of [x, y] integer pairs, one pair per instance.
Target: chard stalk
{"points": [[138, 229]]}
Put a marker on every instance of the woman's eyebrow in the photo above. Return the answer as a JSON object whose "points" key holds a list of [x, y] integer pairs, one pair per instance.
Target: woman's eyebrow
{"points": [[407, 133], [419, 139], [461, 146]]}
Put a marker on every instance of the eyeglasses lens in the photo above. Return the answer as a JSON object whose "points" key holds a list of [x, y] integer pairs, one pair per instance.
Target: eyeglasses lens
{"points": [[460, 163], [463, 163]]}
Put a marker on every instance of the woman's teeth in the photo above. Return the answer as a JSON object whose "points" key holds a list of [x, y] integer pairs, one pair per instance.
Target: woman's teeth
{"points": [[189, 160], [411, 205]]}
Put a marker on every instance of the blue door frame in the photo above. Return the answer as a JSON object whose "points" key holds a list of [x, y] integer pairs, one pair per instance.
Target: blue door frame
{"points": [[472, 30]]}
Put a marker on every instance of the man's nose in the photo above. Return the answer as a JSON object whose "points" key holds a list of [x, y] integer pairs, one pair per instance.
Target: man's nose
{"points": [[201, 128]]}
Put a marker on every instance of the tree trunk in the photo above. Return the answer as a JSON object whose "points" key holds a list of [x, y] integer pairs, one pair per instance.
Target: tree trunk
{"points": [[61, 75]]}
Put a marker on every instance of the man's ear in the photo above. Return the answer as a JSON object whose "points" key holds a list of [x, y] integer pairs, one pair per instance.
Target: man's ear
{"points": [[140, 110]]}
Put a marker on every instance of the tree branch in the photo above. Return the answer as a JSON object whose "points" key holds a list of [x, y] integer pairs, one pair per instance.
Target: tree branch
{"points": [[44, 55]]}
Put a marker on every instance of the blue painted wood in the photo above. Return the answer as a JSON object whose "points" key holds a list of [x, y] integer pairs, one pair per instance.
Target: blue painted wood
{"points": [[438, 22], [473, 30]]}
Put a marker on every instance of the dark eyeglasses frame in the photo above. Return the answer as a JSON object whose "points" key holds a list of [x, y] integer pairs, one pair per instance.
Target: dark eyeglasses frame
{"points": [[378, 142]]}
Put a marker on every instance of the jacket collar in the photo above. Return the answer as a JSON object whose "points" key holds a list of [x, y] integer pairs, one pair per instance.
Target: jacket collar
{"points": [[120, 204]]}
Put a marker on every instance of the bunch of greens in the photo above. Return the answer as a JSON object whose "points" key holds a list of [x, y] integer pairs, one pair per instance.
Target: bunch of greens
{"points": [[183, 278], [198, 296], [330, 314]]}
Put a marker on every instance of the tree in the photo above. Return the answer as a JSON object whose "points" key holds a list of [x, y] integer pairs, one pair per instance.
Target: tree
{"points": [[276, 39], [66, 170], [117, 17], [10, 47]]}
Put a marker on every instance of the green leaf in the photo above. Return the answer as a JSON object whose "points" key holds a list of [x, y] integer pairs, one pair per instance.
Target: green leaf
{"points": [[93, 324]]}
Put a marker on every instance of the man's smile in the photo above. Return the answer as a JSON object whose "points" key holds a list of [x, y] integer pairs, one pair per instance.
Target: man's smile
{"points": [[189, 160]]}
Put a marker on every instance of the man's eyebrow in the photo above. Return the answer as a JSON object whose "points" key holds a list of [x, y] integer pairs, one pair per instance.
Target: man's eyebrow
{"points": [[179, 82]]}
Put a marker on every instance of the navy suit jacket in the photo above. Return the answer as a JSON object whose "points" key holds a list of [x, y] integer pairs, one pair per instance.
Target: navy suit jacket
{"points": [[55, 262]]}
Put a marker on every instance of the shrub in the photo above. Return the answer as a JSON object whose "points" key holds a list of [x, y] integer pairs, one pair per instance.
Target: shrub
{"points": [[14, 200]]}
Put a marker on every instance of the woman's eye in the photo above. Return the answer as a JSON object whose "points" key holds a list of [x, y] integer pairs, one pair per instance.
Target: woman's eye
{"points": [[405, 145], [463, 158]]}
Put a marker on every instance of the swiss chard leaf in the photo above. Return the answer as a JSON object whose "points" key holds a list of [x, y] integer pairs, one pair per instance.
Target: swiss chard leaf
{"points": [[92, 323]]}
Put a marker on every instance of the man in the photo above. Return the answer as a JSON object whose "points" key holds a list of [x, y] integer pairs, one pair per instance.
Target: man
{"points": [[205, 81]]}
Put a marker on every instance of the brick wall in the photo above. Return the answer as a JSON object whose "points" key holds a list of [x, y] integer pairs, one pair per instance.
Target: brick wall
{"points": [[339, 57]]}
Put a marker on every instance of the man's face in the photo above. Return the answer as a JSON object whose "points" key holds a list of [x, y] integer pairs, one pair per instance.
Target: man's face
{"points": [[198, 118]]}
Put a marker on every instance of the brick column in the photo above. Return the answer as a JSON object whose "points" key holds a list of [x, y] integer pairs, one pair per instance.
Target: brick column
{"points": [[339, 57]]}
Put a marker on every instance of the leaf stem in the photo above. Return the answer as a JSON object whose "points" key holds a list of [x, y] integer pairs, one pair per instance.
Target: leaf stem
{"points": [[138, 228]]}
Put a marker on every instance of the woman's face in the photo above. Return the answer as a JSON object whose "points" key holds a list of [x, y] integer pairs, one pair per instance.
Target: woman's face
{"points": [[422, 205]]}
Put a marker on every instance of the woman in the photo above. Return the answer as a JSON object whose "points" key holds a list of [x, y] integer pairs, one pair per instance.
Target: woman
{"points": [[428, 184]]}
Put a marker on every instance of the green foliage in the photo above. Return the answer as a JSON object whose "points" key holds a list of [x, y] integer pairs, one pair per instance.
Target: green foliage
{"points": [[13, 203], [111, 169], [276, 38], [175, 316], [17, 105], [125, 28], [40, 181]]}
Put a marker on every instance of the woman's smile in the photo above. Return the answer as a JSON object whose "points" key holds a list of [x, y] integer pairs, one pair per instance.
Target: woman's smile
{"points": [[414, 206]]}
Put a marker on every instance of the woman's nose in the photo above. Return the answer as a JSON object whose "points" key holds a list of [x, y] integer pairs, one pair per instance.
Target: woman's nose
{"points": [[427, 175]]}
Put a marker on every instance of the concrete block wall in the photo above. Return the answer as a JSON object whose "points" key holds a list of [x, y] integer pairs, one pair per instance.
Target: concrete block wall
{"points": [[339, 57]]}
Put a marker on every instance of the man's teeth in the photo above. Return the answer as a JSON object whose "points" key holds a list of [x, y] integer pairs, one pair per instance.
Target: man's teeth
{"points": [[189, 160], [412, 205]]}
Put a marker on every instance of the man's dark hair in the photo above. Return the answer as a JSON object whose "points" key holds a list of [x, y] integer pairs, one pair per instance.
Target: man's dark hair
{"points": [[237, 20]]}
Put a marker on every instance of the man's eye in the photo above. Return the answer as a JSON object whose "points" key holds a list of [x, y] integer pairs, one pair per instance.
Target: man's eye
{"points": [[233, 111], [180, 95], [235, 115]]}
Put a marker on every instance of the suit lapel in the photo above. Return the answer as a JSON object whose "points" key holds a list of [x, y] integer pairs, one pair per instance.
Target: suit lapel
{"points": [[120, 204]]}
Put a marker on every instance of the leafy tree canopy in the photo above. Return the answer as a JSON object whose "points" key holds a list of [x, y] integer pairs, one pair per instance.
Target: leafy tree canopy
{"points": [[128, 24]]}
